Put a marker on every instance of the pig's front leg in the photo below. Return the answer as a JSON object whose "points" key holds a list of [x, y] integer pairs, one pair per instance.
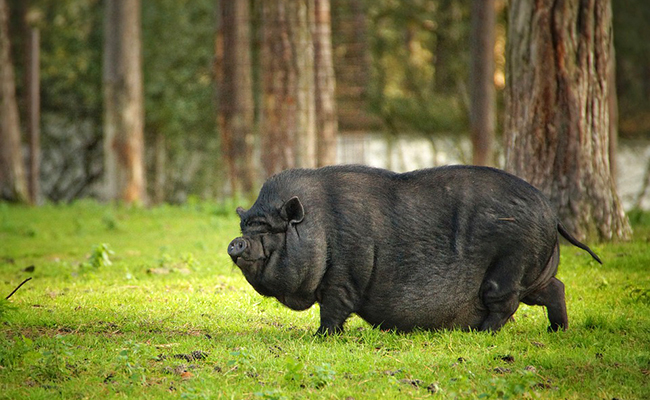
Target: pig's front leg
{"points": [[341, 290], [332, 317], [336, 305]]}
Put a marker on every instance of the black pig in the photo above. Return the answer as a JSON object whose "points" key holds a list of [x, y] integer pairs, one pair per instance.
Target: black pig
{"points": [[449, 247]]}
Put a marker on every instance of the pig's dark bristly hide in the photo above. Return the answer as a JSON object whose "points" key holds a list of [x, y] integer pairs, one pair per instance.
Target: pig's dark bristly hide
{"points": [[450, 247]]}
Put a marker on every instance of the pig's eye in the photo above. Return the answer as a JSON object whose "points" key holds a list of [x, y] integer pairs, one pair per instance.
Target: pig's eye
{"points": [[258, 224]]}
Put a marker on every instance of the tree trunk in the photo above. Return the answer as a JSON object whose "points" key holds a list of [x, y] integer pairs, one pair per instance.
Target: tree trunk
{"points": [[301, 23], [557, 111], [483, 96], [123, 102], [13, 185], [34, 112], [612, 98], [326, 117], [235, 94], [288, 124], [160, 165]]}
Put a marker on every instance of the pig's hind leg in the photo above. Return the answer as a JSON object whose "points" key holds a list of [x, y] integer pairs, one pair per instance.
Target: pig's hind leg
{"points": [[548, 291], [500, 292], [551, 296]]}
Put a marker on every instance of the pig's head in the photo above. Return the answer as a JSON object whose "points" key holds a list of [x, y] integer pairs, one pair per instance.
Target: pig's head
{"points": [[275, 252]]}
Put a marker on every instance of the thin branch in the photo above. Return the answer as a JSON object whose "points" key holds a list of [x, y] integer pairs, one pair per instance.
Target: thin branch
{"points": [[12, 293]]}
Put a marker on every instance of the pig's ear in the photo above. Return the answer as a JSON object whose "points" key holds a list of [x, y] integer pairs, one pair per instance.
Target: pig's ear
{"points": [[240, 211], [293, 211]]}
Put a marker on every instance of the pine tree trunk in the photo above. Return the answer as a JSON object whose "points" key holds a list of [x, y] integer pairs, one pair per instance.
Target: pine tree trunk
{"points": [[301, 23], [13, 184], [482, 96], [34, 113], [326, 117], [123, 103], [235, 94], [278, 76], [557, 111], [288, 126]]}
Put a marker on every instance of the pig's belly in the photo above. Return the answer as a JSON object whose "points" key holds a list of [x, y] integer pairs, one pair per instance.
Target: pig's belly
{"points": [[406, 310]]}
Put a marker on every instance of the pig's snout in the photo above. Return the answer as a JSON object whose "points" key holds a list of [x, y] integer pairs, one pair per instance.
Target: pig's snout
{"points": [[237, 247]]}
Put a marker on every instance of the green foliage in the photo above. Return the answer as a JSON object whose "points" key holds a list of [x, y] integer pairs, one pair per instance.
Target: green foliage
{"points": [[100, 256], [296, 373], [322, 375], [178, 50], [294, 370], [207, 334], [632, 64], [419, 63]]}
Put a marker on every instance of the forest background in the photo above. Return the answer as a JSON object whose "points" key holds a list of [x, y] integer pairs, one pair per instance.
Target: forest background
{"points": [[401, 68]]}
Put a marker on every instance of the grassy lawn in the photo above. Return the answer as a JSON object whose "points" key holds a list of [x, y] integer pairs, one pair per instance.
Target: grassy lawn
{"points": [[161, 312]]}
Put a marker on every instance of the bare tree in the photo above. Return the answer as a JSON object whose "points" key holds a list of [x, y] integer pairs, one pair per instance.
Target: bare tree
{"points": [[483, 97], [123, 102], [557, 110], [13, 184], [235, 93], [325, 90]]}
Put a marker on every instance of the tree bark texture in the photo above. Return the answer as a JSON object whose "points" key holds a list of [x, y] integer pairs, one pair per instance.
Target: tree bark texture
{"points": [[34, 112], [483, 95], [13, 183], [123, 102], [557, 111], [288, 126], [325, 90], [235, 94]]}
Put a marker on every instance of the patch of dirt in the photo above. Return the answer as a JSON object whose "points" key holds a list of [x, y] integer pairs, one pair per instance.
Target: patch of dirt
{"points": [[530, 368], [416, 383], [189, 357], [546, 385], [508, 358], [181, 370], [195, 355]]}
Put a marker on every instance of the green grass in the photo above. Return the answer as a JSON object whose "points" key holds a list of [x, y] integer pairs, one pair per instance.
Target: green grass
{"points": [[160, 312]]}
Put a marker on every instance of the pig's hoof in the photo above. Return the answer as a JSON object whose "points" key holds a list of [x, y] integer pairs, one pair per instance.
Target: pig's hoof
{"points": [[556, 327], [329, 331]]}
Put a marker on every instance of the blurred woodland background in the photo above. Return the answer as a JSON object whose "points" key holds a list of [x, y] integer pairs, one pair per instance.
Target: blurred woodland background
{"points": [[168, 100]]}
